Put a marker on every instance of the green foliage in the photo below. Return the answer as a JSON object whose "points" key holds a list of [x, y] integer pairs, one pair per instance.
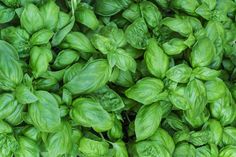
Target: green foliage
{"points": [[117, 78]]}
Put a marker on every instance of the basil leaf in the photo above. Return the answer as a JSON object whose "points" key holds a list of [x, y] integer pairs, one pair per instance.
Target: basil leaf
{"points": [[145, 125]]}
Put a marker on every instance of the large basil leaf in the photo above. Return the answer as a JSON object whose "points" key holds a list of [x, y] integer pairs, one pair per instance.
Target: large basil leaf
{"points": [[98, 71], [120, 149], [6, 14], [27, 147], [45, 113], [122, 60], [184, 150], [39, 60], [229, 150], [229, 136], [181, 26], [146, 90], [162, 137], [85, 15], [78, 41], [50, 13], [41, 37], [109, 99], [18, 37], [196, 95], [89, 113], [179, 73], [11, 73], [151, 13], [151, 148], [8, 105], [31, 19], [60, 142], [199, 55], [137, 34], [145, 125], [156, 60], [89, 147]]}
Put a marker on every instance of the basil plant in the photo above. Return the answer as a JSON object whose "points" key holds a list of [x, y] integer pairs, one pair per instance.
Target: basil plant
{"points": [[117, 78]]}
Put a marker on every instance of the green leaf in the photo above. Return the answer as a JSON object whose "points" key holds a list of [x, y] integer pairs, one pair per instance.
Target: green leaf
{"points": [[150, 13], [147, 121], [223, 109], [229, 137], [39, 60], [5, 127], [116, 131], [31, 19], [179, 73], [174, 46], [178, 98], [109, 99], [181, 26], [64, 27], [85, 15], [215, 131], [8, 105], [89, 113], [146, 90], [50, 13], [65, 57], [107, 7], [122, 78], [32, 133], [151, 148], [199, 138], [6, 14], [137, 34], [93, 75], [228, 151], [16, 117], [24, 95], [215, 89], [199, 56], [120, 149], [45, 113], [204, 11], [162, 137], [72, 71], [27, 147], [207, 151], [9, 145], [94, 148], [198, 120], [215, 30], [60, 142], [188, 6], [156, 60], [41, 37], [18, 37], [115, 34], [196, 94], [103, 44], [210, 3], [11, 73], [78, 41], [132, 12], [205, 73], [184, 150], [122, 60], [174, 122], [10, 3]]}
